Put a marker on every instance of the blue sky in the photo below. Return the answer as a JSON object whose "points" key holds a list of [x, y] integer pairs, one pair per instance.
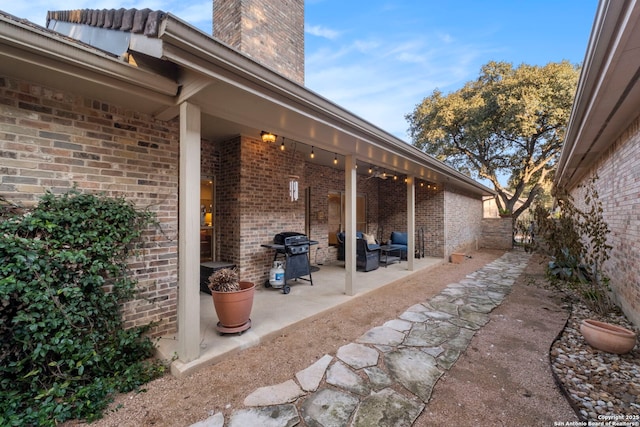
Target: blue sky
{"points": [[380, 58]]}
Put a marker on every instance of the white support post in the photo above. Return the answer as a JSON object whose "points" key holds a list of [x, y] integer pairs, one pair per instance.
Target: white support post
{"points": [[411, 222], [350, 224], [188, 234]]}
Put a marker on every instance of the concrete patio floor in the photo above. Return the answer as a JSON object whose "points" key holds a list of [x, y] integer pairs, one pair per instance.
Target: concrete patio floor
{"points": [[273, 311]]}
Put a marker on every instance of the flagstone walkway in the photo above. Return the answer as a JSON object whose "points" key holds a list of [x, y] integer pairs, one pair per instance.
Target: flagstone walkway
{"points": [[362, 382]]}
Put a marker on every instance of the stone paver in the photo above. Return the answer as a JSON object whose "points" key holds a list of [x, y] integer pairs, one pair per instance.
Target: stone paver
{"points": [[357, 355], [285, 392], [412, 352], [309, 378]]}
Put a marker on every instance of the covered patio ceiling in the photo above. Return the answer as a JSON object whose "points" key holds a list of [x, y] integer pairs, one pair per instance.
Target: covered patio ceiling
{"points": [[238, 96]]}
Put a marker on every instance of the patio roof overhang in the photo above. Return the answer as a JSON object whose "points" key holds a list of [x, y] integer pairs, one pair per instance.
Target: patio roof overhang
{"points": [[608, 94], [240, 96], [34, 53]]}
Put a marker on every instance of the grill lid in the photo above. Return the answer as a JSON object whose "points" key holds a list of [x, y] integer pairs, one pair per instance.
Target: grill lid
{"points": [[281, 238]]}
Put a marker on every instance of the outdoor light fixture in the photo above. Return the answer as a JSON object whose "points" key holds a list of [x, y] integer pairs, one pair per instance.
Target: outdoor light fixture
{"points": [[282, 145], [312, 155], [268, 136], [335, 159], [370, 169]]}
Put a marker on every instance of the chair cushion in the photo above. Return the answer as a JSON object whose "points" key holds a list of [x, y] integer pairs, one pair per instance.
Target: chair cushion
{"points": [[398, 238]]}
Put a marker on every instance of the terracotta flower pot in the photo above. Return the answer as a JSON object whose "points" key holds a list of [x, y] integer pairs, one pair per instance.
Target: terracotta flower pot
{"points": [[608, 337], [234, 308]]}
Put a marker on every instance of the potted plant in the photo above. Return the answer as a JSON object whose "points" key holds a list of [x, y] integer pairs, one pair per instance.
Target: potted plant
{"points": [[232, 300]]}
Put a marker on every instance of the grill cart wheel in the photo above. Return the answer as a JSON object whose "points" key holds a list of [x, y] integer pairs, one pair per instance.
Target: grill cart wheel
{"points": [[286, 289]]}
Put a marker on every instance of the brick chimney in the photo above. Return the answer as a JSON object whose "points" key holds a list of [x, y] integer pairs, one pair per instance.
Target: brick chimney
{"points": [[271, 32]]}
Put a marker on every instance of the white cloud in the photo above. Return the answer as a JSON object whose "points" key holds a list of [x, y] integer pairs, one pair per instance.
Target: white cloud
{"points": [[382, 80], [320, 31]]}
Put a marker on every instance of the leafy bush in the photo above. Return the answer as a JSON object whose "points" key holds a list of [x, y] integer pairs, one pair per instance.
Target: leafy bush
{"points": [[63, 279], [576, 241]]}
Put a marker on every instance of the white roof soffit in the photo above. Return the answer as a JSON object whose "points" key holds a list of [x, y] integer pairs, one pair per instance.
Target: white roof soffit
{"points": [[30, 51], [329, 126], [608, 94]]}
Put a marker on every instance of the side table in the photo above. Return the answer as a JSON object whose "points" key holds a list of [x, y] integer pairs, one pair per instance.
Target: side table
{"points": [[386, 255]]}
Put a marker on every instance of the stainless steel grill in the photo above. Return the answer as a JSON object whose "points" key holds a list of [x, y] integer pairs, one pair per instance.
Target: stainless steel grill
{"points": [[293, 249]]}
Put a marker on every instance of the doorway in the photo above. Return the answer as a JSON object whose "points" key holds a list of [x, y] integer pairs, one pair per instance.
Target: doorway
{"points": [[336, 214], [207, 220]]}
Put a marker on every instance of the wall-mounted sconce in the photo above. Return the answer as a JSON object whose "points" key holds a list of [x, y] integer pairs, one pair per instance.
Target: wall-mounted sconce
{"points": [[282, 145], [370, 169], [335, 159], [312, 155], [268, 136], [293, 187]]}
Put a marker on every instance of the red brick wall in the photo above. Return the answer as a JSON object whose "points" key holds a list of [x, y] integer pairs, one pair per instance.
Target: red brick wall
{"points": [[497, 233], [269, 31], [450, 219], [50, 140], [429, 211], [619, 191], [430, 217], [323, 180], [266, 206]]}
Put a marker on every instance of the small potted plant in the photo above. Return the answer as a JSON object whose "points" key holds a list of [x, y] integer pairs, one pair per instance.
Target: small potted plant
{"points": [[232, 300]]}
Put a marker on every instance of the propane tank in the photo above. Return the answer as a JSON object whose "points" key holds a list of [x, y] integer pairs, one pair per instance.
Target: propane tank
{"points": [[276, 275]]}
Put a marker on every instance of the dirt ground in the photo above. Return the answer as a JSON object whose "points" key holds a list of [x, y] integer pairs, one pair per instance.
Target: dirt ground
{"points": [[503, 378]]}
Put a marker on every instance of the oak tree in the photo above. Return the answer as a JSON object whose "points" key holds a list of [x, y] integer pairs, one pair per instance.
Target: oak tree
{"points": [[510, 122]]}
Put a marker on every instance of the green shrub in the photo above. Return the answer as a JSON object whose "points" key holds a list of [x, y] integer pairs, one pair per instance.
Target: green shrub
{"points": [[576, 241], [63, 279]]}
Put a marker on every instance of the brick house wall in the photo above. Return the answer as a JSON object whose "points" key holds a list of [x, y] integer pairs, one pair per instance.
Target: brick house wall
{"points": [[497, 233], [430, 218], [463, 226], [618, 188], [266, 206], [51, 140], [323, 180], [450, 220], [269, 31]]}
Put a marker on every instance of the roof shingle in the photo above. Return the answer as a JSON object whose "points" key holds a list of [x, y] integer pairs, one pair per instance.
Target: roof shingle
{"points": [[139, 21]]}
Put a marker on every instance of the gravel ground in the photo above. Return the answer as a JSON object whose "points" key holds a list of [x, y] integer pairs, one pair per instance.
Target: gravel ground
{"points": [[599, 385], [504, 378]]}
